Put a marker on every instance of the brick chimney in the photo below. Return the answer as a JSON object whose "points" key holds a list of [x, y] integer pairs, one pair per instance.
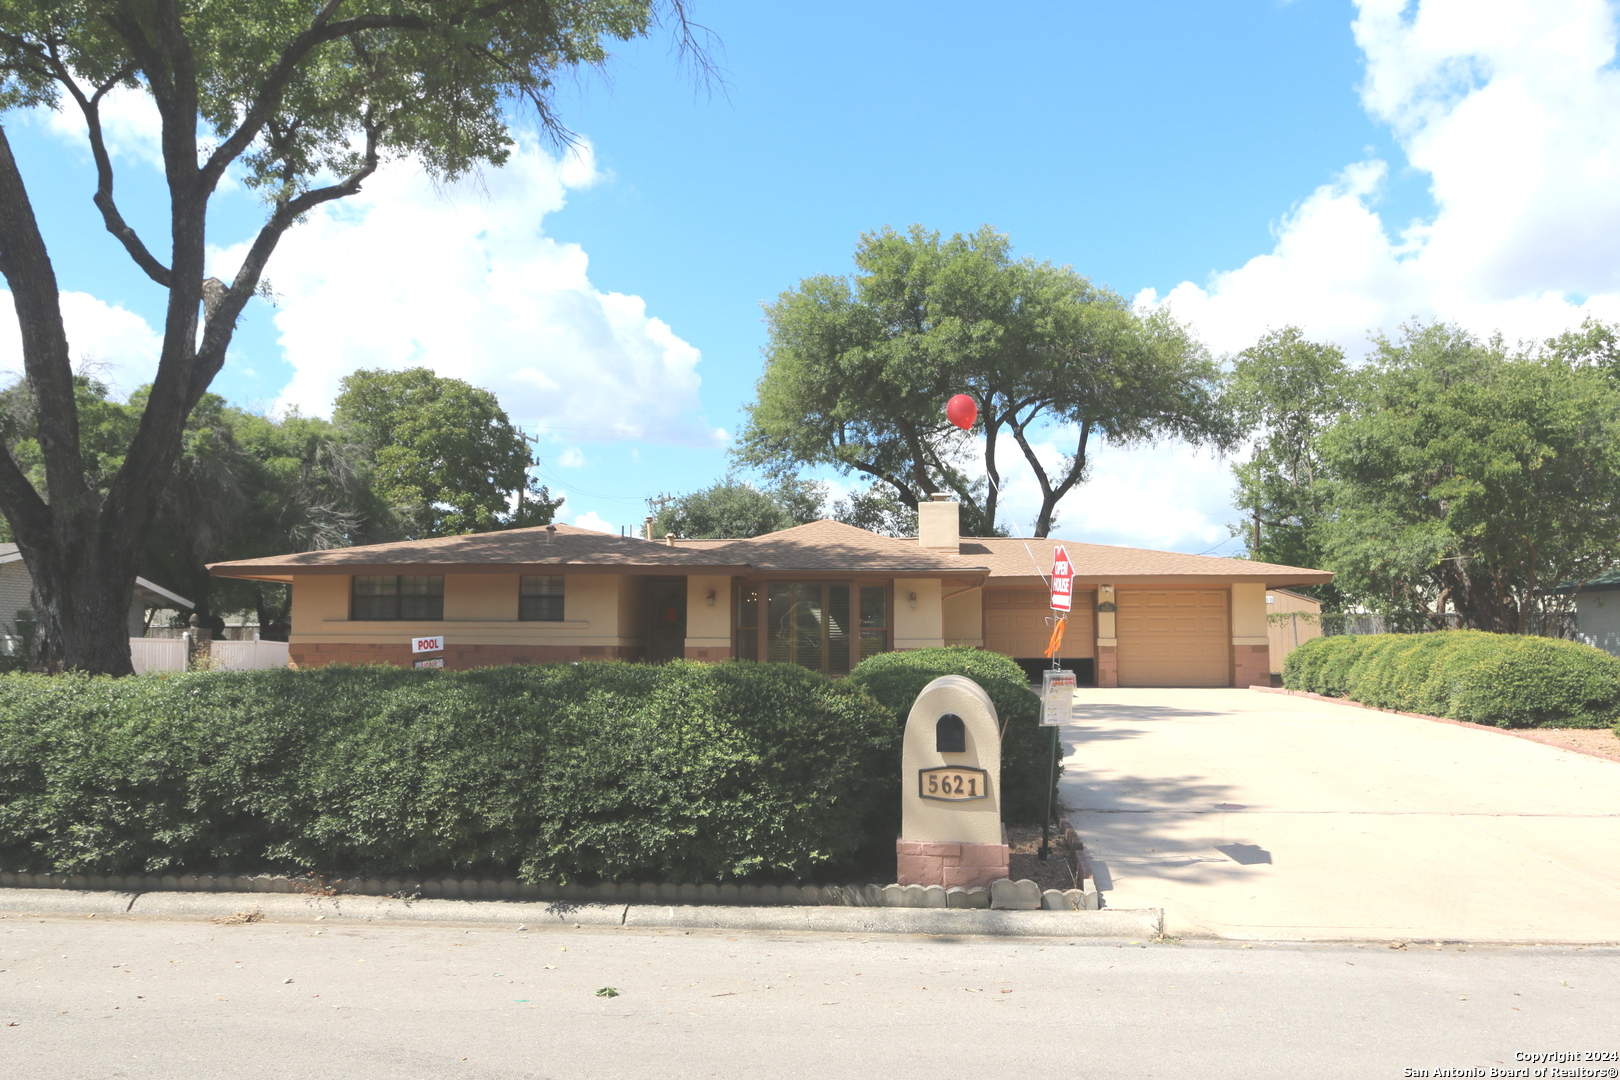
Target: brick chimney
{"points": [[939, 523]]}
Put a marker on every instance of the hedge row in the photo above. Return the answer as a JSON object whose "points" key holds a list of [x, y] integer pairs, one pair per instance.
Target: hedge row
{"points": [[683, 772], [1504, 680], [896, 679]]}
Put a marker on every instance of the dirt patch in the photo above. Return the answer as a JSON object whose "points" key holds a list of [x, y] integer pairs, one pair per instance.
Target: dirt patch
{"points": [[1592, 740], [1025, 862]]}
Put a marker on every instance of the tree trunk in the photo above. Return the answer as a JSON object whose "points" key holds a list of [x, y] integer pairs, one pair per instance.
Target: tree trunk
{"points": [[81, 606]]}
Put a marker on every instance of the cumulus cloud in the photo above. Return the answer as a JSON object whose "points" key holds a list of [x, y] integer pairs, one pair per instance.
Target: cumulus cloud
{"points": [[109, 342], [463, 280], [593, 520], [571, 458], [1512, 110]]}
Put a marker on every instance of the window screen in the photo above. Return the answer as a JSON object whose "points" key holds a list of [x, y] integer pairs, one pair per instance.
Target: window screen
{"points": [[540, 597], [414, 597]]}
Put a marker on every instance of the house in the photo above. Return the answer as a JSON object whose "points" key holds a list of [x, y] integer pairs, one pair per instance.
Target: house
{"points": [[17, 595], [823, 595], [1597, 612], [1291, 619]]}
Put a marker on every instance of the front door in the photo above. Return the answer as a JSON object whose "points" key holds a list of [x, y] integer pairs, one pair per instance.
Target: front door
{"points": [[666, 619]]}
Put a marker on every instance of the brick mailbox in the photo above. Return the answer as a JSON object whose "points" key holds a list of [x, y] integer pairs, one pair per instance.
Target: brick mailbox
{"points": [[950, 789]]}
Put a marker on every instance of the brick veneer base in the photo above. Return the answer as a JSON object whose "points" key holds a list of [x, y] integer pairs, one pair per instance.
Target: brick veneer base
{"points": [[1251, 665], [1107, 665], [932, 862], [456, 657]]}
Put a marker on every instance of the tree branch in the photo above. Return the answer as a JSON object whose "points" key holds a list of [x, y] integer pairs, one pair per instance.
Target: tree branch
{"points": [[110, 215], [223, 306], [26, 264]]}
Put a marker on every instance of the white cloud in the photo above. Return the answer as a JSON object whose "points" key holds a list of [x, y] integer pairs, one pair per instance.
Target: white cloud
{"points": [[464, 281], [1512, 109], [130, 126], [593, 520], [112, 343], [571, 458]]}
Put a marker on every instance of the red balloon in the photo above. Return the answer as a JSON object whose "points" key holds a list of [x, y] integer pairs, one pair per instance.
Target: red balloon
{"points": [[962, 410]]}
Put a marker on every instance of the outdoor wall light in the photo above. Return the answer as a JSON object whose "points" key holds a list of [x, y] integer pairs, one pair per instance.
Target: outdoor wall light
{"points": [[911, 598], [710, 598]]}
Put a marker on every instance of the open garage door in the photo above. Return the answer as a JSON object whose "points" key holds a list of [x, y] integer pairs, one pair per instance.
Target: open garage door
{"points": [[1174, 637], [1015, 623]]}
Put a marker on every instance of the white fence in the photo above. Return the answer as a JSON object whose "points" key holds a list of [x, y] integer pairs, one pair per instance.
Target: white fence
{"points": [[248, 655], [157, 654], [169, 654]]}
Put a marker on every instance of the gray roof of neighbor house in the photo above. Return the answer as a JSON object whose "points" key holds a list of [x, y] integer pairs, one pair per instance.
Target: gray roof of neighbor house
{"points": [[151, 595], [819, 548]]}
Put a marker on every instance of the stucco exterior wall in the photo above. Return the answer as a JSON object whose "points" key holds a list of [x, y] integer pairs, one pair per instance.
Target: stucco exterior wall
{"points": [[600, 613], [708, 625], [964, 617], [1251, 640], [920, 625]]}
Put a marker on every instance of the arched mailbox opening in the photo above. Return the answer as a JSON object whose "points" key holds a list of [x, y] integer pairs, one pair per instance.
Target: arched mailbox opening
{"points": [[950, 789]]}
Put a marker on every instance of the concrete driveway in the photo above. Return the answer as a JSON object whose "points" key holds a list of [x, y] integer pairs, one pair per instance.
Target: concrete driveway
{"points": [[1253, 815]]}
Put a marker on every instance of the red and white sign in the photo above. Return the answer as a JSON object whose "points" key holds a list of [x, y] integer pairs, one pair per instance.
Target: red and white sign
{"points": [[427, 644], [1062, 580]]}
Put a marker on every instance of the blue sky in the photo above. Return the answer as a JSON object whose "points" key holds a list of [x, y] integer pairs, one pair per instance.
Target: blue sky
{"points": [[1253, 163]]}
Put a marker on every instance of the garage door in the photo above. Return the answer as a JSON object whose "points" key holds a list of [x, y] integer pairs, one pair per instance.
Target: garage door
{"points": [[1174, 637], [1015, 623]]}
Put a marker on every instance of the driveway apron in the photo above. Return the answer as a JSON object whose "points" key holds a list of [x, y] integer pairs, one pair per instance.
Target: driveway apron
{"points": [[1252, 815]]}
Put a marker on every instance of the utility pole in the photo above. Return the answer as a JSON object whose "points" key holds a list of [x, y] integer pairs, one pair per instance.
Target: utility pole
{"points": [[1256, 548]]}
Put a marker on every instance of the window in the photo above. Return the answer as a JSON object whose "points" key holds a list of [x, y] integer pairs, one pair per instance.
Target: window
{"points": [[413, 597], [540, 597], [812, 624]]}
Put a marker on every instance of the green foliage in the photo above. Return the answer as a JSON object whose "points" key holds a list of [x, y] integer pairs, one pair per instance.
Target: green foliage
{"points": [[1504, 680], [896, 678], [858, 370], [682, 772], [733, 509], [1449, 479], [443, 451], [1285, 390]]}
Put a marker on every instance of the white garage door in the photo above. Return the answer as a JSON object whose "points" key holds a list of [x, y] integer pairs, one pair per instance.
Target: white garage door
{"points": [[1174, 637], [1015, 623]]}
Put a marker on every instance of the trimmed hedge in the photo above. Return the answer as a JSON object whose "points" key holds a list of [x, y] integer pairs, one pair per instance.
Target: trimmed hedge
{"points": [[683, 772], [896, 679], [1504, 680]]}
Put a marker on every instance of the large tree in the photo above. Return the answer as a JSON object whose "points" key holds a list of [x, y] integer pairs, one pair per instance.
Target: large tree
{"points": [[303, 99], [443, 453], [1469, 481], [858, 371], [733, 509], [1285, 390]]}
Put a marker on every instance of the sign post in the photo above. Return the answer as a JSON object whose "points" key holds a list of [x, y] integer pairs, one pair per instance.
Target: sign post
{"points": [[1057, 685]]}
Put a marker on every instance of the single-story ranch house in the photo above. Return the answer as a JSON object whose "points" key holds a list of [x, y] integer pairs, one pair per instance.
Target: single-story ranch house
{"points": [[823, 595]]}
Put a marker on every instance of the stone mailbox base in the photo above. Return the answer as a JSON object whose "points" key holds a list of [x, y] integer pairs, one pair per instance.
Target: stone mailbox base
{"points": [[934, 862]]}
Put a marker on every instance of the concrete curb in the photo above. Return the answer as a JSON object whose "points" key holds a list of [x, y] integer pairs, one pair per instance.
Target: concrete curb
{"points": [[1145, 923]]}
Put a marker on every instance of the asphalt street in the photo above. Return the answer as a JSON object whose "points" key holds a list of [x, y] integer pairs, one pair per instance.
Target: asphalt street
{"points": [[158, 998]]}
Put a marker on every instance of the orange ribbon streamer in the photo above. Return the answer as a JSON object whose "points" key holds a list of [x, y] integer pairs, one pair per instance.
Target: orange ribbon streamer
{"points": [[1057, 636]]}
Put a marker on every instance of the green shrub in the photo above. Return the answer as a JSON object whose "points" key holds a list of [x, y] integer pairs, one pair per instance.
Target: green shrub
{"points": [[896, 679], [682, 772], [1504, 680]]}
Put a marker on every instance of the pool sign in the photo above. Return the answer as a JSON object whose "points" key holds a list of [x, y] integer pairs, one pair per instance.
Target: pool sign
{"points": [[1062, 580], [427, 644]]}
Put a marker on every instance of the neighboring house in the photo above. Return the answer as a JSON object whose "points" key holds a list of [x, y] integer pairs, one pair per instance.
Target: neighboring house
{"points": [[1597, 612], [17, 594], [823, 595], [1291, 619]]}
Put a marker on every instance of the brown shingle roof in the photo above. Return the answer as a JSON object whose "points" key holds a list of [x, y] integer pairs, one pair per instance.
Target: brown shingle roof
{"points": [[1105, 563], [819, 547], [581, 550]]}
